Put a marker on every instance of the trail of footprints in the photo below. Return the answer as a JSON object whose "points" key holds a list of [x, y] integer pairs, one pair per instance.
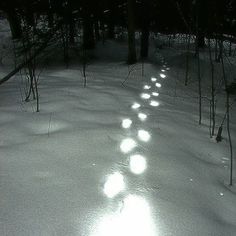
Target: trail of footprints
{"points": [[137, 162]]}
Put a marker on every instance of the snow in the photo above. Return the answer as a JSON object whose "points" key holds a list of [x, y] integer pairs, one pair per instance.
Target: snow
{"points": [[102, 160]]}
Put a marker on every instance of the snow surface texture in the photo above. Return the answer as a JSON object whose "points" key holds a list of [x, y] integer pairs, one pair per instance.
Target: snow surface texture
{"points": [[106, 161]]}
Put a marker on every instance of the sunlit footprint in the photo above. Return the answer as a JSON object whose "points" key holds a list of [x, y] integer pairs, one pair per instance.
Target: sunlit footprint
{"points": [[137, 164], [144, 135], [153, 79], [155, 94], [154, 103], [147, 87], [163, 71], [136, 105], [126, 123], [142, 116], [158, 85], [145, 96], [127, 145], [132, 218], [114, 185], [162, 76]]}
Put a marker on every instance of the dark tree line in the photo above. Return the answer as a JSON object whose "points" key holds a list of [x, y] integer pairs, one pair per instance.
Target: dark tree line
{"points": [[99, 19]]}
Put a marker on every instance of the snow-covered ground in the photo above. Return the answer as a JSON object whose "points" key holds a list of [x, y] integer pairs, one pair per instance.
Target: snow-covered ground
{"points": [[112, 159]]}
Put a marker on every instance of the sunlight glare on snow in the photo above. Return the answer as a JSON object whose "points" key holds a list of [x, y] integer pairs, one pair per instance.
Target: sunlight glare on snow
{"points": [[145, 96], [162, 76], [144, 135], [154, 103], [137, 164], [158, 85], [126, 123], [136, 105], [147, 87], [127, 145], [114, 185], [142, 116], [153, 79], [155, 94], [132, 218]]}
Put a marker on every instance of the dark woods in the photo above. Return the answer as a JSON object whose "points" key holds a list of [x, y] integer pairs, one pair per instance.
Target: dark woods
{"points": [[104, 19]]}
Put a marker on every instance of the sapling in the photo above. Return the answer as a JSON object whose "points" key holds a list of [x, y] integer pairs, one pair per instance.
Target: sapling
{"points": [[228, 121], [199, 83], [187, 61], [212, 104], [85, 62], [29, 43]]}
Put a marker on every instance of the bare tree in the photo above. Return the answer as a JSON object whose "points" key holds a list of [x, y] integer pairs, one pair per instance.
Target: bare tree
{"points": [[131, 33]]}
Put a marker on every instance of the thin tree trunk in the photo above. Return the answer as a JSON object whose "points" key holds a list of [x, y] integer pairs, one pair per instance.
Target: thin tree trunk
{"points": [[144, 43], [212, 90], [15, 23], [96, 29], [230, 46], [216, 49], [228, 123], [187, 61], [199, 85], [220, 49], [131, 33], [88, 32]]}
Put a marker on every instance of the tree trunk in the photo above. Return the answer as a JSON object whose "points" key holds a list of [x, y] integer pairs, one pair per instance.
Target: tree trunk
{"points": [[88, 33], [228, 123], [131, 33], [145, 30], [96, 29], [187, 61], [71, 29], [212, 90], [111, 29], [201, 39], [144, 43], [15, 24], [199, 86]]}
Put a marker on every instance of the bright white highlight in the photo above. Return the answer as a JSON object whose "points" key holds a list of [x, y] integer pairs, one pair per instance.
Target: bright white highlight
{"points": [[153, 79], [132, 218], [136, 105], [163, 71], [146, 87], [127, 145], [144, 135], [158, 85], [145, 95], [142, 116], [154, 103], [126, 123], [114, 185], [162, 76], [137, 164], [155, 94]]}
